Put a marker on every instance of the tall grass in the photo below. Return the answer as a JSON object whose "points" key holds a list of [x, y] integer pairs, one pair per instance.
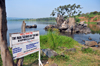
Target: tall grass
{"points": [[94, 28], [53, 40]]}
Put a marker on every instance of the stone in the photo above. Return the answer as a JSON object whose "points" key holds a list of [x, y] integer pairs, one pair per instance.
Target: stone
{"points": [[54, 64], [90, 43], [71, 22], [29, 26], [59, 20], [68, 30], [98, 45], [90, 38], [83, 40], [84, 48], [85, 25], [49, 52], [82, 23], [98, 23]]}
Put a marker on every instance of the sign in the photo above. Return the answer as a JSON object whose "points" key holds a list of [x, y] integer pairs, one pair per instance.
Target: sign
{"points": [[24, 43]]}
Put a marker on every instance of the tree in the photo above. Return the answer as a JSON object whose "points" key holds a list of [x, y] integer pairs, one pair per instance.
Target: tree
{"points": [[71, 10], [5, 54]]}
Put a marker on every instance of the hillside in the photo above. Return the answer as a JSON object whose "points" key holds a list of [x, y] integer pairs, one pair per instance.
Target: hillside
{"points": [[92, 19]]}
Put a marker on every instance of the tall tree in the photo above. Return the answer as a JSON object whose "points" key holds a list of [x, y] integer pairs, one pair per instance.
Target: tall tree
{"points": [[71, 10], [5, 54]]}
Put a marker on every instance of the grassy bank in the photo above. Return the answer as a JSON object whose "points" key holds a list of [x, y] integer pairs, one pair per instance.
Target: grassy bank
{"points": [[94, 27], [54, 40]]}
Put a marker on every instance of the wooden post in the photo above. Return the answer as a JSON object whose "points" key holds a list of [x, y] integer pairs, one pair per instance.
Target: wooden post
{"points": [[20, 60], [5, 54]]}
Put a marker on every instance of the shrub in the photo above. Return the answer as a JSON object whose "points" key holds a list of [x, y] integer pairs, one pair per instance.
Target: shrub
{"points": [[95, 19]]}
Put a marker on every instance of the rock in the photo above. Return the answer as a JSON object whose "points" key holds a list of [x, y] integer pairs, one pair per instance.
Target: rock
{"points": [[54, 64], [85, 25], [82, 23], [98, 23], [49, 27], [29, 26], [83, 40], [49, 52], [60, 19], [64, 26], [84, 48], [68, 30], [71, 22], [72, 49], [77, 30], [98, 45], [90, 43], [90, 38]]}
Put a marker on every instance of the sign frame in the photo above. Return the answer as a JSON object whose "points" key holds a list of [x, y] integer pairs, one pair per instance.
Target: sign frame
{"points": [[24, 34]]}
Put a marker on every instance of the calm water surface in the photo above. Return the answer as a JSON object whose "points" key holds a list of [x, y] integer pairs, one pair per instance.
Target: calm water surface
{"points": [[15, 27]]}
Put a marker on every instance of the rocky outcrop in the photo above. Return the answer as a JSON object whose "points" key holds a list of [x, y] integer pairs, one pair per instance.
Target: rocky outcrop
{"points": [[70, 26], [90, 43], [59, 20]]}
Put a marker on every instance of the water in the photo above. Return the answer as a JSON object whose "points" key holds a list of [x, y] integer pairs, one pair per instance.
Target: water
{"points": [[15, 27]]}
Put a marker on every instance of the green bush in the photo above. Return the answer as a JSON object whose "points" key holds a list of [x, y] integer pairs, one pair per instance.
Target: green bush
{"points": [[77, 19], [95, 19]]}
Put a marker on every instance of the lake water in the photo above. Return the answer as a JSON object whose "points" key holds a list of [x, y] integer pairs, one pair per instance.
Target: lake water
{"points": [[15, 27]]}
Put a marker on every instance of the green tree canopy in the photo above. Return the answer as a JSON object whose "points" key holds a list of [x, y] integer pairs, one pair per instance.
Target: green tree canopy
{"points": [[71, 10]]}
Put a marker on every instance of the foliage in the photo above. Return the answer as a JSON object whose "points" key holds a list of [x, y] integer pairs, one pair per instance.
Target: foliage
{"points": [[77, 19], [95, 19], [69, 9], [59, 57], [89, 50], [38, 19]]}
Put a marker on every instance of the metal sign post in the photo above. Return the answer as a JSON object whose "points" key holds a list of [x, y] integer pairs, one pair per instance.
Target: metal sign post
{"points": [[23, 44]]}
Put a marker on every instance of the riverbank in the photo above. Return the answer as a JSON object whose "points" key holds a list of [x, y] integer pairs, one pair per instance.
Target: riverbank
{"points": [[60, 44]]}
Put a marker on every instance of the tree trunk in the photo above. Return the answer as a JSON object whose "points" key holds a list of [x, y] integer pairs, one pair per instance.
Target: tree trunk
{"points": [[5, 54]]}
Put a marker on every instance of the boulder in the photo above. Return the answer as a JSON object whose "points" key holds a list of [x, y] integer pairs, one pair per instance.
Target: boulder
{"points": [[85, 25], [98, 45], [60, 19], [90, 38], [49, 52], [49, 26], [71, 22], [54, 64], [82, 23], [68, 30], [90, 43], [29, 26]]}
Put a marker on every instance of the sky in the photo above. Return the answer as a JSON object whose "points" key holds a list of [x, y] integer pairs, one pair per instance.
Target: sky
{"points": [[43, 8]]}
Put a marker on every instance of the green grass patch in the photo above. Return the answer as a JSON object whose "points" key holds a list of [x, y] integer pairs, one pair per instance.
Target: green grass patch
{"points": [[91, 23], [89, 50], [95, 19], [53, 40]]}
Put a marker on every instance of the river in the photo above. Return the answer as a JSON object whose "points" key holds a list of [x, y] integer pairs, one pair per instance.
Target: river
{"points": [[15, 27]]}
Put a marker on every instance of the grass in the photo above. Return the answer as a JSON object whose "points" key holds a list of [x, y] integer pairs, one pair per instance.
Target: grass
{"points": [[53, 40]]}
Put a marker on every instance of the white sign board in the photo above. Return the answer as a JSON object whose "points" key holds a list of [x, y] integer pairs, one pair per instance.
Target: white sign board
{"points": [[24, 43]]}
